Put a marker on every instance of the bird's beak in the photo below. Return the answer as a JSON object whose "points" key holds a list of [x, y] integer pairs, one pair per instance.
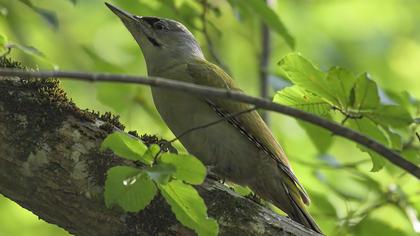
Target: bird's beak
{"points": [[137, 27], [123, 15]]}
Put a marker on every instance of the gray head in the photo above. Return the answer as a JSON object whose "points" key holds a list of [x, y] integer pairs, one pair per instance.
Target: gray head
{"points": [[164, 42]]}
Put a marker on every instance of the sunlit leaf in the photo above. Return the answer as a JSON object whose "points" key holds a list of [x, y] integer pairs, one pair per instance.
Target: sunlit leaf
{"points": [[127, 147], [129, 188], [297, 97], [366, 97], [304, 74], [303, 100], [188, 168], [188, 207], [391, 115], [341, 81]]}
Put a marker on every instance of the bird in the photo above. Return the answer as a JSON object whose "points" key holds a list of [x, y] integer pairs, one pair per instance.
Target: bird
{"points": [[240, 148]]}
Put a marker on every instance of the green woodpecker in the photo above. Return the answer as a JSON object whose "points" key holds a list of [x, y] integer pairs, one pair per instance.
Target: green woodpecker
{"points": [[241, 148]]}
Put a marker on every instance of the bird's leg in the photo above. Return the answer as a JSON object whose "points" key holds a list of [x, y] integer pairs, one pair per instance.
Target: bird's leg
{"points": [[214, 176], [255, 198]]}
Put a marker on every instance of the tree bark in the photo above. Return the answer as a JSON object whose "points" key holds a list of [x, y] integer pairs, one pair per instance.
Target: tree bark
{"points": [[50, 164]]}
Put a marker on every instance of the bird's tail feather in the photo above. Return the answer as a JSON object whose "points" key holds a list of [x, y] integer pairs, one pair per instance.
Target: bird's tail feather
{"points": [[300, 214]]}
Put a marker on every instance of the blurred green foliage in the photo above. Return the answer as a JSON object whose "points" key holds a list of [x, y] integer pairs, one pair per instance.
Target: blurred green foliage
{"points": [[379, 37]]}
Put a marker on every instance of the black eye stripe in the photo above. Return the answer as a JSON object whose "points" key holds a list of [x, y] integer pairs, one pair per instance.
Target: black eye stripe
{"points": [[154, 42]]}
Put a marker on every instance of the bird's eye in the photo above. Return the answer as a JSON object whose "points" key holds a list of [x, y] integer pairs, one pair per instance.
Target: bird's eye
{"points": [[159, 25]]}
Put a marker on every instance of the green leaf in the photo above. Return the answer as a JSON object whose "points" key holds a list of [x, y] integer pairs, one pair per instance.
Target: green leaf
{"points": [[370, 129], [127, 147], [341, 81], [304, 74], [366, 97], [161, 173], [129, 188], [188, 207], [391, 115], [188, 168], [295, 96], [151, 153]]}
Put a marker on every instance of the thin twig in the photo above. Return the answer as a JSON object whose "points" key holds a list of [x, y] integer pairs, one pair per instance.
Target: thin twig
{"points": [[213, 52], [323, 165], [207, 91], [211, 123]]}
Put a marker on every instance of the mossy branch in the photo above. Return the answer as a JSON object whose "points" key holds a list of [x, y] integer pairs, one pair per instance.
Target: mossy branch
{"points": [[199, 90], [50, 163]]}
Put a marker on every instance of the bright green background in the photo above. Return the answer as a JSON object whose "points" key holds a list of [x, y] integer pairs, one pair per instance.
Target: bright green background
{"points": [[380, 37]]}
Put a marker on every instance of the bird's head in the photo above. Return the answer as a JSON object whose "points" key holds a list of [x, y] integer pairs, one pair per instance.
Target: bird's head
{"points": [[164, 42]]}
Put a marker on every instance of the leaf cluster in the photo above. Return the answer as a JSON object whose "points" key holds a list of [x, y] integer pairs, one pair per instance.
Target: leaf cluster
{"points": [[341, 96], [173, 175]]}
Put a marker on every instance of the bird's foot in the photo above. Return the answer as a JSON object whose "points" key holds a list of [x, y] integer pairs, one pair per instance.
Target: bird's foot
{"points": [[255, 198]]}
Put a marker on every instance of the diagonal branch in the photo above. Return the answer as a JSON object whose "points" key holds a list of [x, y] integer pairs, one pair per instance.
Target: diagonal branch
{"points": [[206, 91], [50, 164]]}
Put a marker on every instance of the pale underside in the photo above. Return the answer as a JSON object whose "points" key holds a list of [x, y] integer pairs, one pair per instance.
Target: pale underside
{"points": [[231, 153]]}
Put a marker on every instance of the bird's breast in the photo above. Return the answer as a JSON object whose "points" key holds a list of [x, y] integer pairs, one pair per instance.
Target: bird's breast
{"points": [[221, 146]]}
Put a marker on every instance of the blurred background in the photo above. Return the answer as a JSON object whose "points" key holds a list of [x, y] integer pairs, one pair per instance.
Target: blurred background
{"points": [[376, 36]]}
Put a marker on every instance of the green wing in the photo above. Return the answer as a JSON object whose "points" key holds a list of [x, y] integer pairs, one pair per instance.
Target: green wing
{"points": [[252, 125]]}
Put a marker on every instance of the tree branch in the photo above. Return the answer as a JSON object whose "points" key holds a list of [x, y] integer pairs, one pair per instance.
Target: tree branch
{"points": [[206, 91], [50, 163]]}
